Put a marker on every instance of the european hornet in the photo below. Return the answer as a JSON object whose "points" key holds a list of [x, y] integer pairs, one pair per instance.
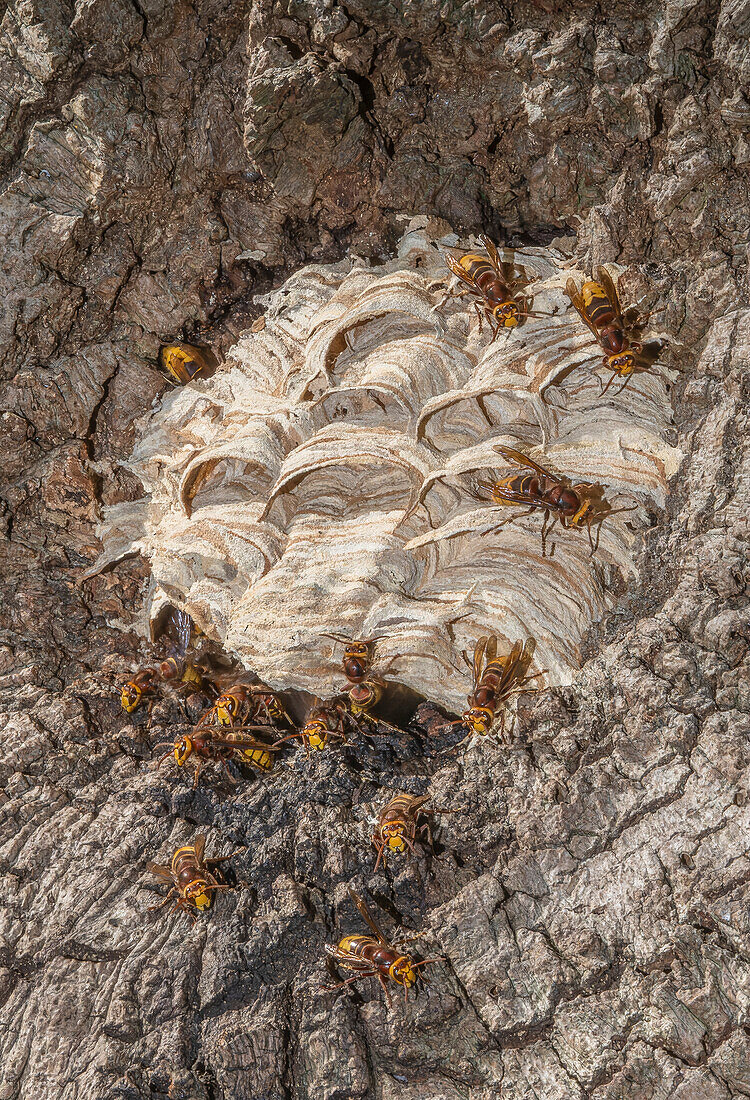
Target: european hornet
{"points": [[206, 743], [398, 824], [495, 679], [357, 656], [575, 505], [249, 703], [598, 304], [492, 282], [191, 878], [175, 672], [366, 689], [375, 957], [184, 362], [139, 689], [324, 722]]}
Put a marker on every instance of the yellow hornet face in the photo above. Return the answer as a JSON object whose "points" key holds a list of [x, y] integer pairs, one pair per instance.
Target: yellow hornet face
{"points": [[196, 892], [182, 750], [316, 734], [403, 972], [130, 697], [393, 836], [507, 315], [477, 720], [623, 364], [184, 364]]}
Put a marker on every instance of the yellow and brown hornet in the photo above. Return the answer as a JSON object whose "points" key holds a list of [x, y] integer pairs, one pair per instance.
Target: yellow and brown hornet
{"points": [[492, 282], [575, 505], [398, 824], [205, 744], [598, 305], [325, 722], [244, 703], [376, 957], [495, 680], [365, 688], [140, 689], [190, 877], [177, 672], [184, 362]]}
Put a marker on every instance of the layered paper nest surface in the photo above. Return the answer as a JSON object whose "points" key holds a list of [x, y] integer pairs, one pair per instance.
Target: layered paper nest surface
{"points": [[322, 480]]}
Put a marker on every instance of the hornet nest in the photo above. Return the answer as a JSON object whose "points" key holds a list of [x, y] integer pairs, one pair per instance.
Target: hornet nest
{"points": [[322, 481]]}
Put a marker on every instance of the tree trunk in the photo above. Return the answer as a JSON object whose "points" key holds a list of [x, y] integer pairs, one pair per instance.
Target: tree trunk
{"points": [[162, 166]]}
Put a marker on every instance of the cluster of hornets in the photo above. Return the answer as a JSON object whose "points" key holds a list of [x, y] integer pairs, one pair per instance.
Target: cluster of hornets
{"points": [[247, 723]]}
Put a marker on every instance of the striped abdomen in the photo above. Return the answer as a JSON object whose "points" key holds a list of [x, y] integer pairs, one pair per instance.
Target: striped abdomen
{"points": [[185, 866], [258, 757], [365, 695], [177, 668], [401, 808], [485, 694], [601, 311], [526, 484], [539, 492], [368, 950], [272, 704], [485, 277], [192, 878], [183, 363]]}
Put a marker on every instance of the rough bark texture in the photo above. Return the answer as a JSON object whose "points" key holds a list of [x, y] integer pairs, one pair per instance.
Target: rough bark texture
{"points": [[161, 165]]}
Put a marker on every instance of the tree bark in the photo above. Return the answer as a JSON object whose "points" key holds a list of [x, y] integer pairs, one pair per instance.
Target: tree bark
{"points": [[161, 166]]}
